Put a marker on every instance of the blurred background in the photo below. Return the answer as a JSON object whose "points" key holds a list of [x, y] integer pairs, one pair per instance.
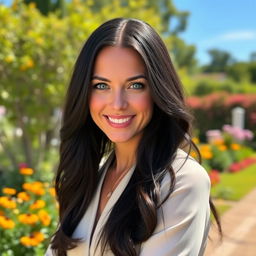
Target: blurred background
{"points": [[213, 47]]}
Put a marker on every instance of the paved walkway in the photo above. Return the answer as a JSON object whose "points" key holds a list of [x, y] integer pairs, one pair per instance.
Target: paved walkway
{"points": [[239, 229]]}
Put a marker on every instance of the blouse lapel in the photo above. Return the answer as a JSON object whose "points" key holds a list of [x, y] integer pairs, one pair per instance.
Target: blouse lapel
{"points": [[106, 211]]}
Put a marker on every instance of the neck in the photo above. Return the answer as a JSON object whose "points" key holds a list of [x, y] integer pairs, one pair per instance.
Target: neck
{"points": [[125, 156]]}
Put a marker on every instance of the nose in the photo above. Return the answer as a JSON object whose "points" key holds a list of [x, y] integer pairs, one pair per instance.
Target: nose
{"points": [[119, 100]]}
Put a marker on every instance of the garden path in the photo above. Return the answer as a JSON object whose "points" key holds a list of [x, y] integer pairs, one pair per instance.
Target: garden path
{"points": [[239, 229]]}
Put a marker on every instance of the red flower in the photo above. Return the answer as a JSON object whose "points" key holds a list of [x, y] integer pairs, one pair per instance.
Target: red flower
{"points": [[214, 177]]}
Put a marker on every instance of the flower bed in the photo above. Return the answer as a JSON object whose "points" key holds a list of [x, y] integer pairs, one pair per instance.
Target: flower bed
{"points": [[27, 216]]}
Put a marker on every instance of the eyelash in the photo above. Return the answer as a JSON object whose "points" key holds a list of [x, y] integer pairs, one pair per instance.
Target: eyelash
{"points": [[98, 86]]}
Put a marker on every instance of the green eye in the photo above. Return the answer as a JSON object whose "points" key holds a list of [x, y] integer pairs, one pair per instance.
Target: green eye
{"points": [[100, 86], [137, 86]]}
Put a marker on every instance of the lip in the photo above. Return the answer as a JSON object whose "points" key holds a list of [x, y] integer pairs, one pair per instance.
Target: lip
{"points": [[119, 125]]}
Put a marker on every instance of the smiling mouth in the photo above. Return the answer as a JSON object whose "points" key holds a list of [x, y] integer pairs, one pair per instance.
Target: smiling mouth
{"points": [[120, 121]]}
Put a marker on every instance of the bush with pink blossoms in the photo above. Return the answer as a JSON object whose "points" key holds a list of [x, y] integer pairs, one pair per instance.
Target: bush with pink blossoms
{"points": [[238, 133]]}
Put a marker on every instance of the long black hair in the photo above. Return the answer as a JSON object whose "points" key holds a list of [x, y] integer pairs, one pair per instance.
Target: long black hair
{"points": [[134, 216]]}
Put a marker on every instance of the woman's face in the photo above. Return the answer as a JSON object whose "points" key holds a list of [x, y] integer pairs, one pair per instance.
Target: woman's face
{"points": [[120, 102]]}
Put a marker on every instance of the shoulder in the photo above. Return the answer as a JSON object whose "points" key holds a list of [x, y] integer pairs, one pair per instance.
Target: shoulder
{"points": [[190, 176]]}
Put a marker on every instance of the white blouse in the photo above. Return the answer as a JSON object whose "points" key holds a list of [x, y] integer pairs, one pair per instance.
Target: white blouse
{"points": [[182, 232]]}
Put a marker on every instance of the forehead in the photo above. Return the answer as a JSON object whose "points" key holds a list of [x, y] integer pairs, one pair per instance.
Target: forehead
{"points": [[115, 60]]}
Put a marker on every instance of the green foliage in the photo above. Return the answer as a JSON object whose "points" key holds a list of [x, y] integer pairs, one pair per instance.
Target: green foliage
{"points": [[239, 71], [242, 72], [252, 71], [221, 159]]}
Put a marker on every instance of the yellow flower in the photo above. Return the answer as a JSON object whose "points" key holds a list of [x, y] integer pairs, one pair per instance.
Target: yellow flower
{"points": [[39, 40], [7, 202], [32, 5], [9, 191], [28, 218], [16, 211], [235, 146], [222, 147], [24, 196], [6, 222], [9, 58], [37, 204], [33, 240], [26, 171], [195, 140], [44, 217]]}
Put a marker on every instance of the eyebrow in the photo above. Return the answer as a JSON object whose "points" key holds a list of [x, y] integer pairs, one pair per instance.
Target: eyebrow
{"points": [[128, 79]]}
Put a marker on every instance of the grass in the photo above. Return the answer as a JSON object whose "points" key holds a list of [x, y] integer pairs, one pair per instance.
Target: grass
{"points": [[234, 186]]}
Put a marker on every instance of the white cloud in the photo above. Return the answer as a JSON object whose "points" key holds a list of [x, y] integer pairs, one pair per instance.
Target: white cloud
{"points": [[242, 35], [238, 35]]}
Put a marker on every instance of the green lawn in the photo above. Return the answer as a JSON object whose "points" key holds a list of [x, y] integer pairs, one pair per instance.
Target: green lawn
{"points": [[234, 186]]}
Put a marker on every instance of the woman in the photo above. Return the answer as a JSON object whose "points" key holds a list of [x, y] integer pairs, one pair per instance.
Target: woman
{"points": [[124, 185]]}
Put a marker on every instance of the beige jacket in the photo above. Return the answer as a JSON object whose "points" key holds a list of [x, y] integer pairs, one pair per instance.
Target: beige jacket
{"points": [[186, 214]]}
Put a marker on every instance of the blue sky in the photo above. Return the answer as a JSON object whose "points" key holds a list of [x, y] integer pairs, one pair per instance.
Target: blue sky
{"points": [[224, 24]]}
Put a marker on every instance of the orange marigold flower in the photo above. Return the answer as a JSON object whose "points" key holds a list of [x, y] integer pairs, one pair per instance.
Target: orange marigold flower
{"points": [[44, 217], [52, 191], [222, 147], [26, 171], [206, 154], [24, 196], [205, 147], [28, 218], [218, 141], [6, 222], [9, 191], [35, 187], [235, 146], [37, 204], [193, 154], [7, 202], [33, 240], [1, 213]]}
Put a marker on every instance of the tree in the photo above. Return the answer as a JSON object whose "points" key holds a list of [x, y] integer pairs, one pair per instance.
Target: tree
{"points": [[253, 57], [220, 60], [172, 20]]}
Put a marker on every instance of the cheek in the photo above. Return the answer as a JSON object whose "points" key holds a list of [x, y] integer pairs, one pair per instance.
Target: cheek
{"points": [[96, 103], [144, 103]]}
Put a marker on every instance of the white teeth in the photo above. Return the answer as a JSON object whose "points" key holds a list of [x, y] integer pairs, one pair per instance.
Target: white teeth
{"points": [[120, 120]]}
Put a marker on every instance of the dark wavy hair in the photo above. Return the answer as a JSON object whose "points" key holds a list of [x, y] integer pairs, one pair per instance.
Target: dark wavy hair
{"points": [[134, 216]]}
